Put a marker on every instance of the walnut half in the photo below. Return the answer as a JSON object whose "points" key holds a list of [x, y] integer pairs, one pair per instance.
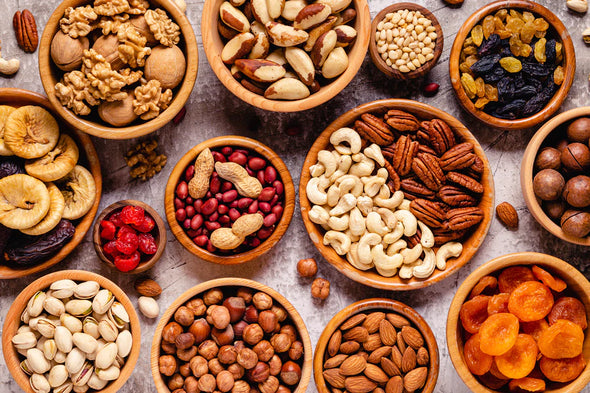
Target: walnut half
{"points": [[163, 28], [150, 99], [78, 22], [132, 49], [73, 91], [110, 7]]}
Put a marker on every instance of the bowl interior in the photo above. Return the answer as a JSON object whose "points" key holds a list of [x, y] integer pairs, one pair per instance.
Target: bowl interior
{"points": [[371, 277]]}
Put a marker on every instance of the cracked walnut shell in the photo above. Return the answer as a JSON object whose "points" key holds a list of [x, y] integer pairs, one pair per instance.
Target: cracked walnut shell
{"points": [[110, 7], [132, 49], [163, 28], [78, 22], [150, 99]]}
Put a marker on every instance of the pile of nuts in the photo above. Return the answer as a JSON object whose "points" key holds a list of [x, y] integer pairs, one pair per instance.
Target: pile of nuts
{"points": [[74, 336], [286, 50], [231, 339], [562, 177], [376, 352]]}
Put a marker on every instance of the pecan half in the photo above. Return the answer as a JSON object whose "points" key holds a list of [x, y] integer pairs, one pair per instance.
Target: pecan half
{"points": [[426, 149], [402, 121], [443, 235], [464, 217], [430, 213], [458, 157], [440, 135], [456, 197], [373, 129], [405, 151], [388, 152], [465, 181], [25, 29], [427, 168], [414, 189], [476, 169], [413, 240], [394, 182]]}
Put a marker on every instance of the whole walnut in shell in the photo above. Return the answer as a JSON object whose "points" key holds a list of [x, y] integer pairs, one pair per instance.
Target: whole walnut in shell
{"points": [[118, 113], [107, 46], [141, 25], [167, 65], [67, 52]]}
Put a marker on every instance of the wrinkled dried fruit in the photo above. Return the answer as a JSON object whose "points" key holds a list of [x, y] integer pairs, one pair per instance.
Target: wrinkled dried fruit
{"points": [[473, 313], [562, 370], [492, 382], [485, 283], [477, 35], [498, 333], [488, 26], [519, 360], [563, 339], [540, 50], [527, 384], [498, 303], [555, 283], [477, 361], [469, 85], [568, 308], [534, 328], [512, 277], [531, 301], [511, 64], [558, 75]]}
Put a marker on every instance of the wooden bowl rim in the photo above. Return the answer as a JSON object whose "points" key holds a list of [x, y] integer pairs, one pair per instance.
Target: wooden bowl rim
{"points": [[160, 240], [566, 272], [377, 304], [19, 304], [102, 130], [569, 65], [288, 204], [26, 97], [356, 56], [369, 277], [232, 282], [426, 67]]}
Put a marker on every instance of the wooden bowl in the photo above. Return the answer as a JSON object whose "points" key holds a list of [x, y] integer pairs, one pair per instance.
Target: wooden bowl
{"points": [[378, 60], [281, 227], [93, 125], [19, 97], [371, 277], [376, 304], [575, 281], [232, 282], [213, 44], [526, 174], [160, 238], [12, 322], [569, 65]]}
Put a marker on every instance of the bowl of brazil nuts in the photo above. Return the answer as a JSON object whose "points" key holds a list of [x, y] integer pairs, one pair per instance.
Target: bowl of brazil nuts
{"points": [[231, 334]]}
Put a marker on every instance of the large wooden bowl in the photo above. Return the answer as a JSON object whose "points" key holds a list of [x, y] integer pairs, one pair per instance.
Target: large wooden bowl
{"points": [[93, 125], [213, 44], [576, 282], [569, 65], [371, 277], [527, 169], [88, 156], [12, 322], [232, 282], [281, 226], [376, 304]]}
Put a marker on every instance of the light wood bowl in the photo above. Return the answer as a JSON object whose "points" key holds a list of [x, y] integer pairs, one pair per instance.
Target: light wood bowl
{"points": [[281, 226], [160, 237], [569, 65], [376, 304], [93, 125], [213, 44], [12, 322], [378, 60], [576, 282], [371, 277], [19, 97], [232, 282]]}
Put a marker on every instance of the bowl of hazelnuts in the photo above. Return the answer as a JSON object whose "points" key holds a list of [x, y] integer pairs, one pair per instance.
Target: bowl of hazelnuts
{"points": [[555, 176], [231, 334]]}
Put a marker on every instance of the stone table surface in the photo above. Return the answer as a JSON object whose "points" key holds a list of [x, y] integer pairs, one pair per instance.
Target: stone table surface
{"points": [[214, 111]]}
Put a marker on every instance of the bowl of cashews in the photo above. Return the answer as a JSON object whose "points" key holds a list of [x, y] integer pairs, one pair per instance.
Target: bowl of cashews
{"points": [[396, 194]]}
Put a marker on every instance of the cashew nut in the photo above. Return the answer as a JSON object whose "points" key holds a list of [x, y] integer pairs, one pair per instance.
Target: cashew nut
{"points": [[363, 167], [394, 236], [339, 223], [389, 203], [408, 220], [427, 239], [376, 225], [356, 222], [349, 136], [382, 172], [345, 204], [333, 195], [372, 185], [364, 247], [386, 265], [353, 238], [374, 152], [315, 193], [350, 184], [316, 170], [327, 159], [388, 217], [426, 268], [344, 163], [10, 67], [365, 204], [318, 215], [412, 254], [353, 258], [396, 247], [447, 250], [338, 241], [405, 205], [407, 271]]}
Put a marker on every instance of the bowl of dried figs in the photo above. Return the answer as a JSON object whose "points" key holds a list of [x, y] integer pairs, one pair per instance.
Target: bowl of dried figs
{"points": [[512, 64], [519, 323], [396, 194], [231, 334], [118, 69]]}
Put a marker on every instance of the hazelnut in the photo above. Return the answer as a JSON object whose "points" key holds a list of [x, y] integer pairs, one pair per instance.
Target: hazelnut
{"points": [[579, 130], [200, 329], [241, 387], [246, 294], [167, 365], [290, 331], [247, 358], [223, 337], [185, 369], [577, 191], [168, 348], [253, 333], [171, 331], [191, 385], [197, 307], [296, 350], [167, 65], [118, 113], [275, 364], [184, 340], [67, 52], [108, 47], [259, 373], [236, 307], [264, 350], [576, 223], [262, 301], [175, 382], [280, 312], [213, 296], [269, 386], [576, 157], [554, 209], [239, 345], [208, 349], [207, 383], [186, 354], [236, 370], [547, 185], [225, 381], [548, 158], [184, 316], [141, 25], [281, 342], [290, 373], [251, 314], [215, 366], [307, 267], [199, 366], [268, 321], [227, 354], [239, 329], [218, 316], [320, 288]]}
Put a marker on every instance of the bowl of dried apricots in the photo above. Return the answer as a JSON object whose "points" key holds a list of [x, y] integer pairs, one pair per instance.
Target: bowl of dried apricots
{"points": [[518, 323]]}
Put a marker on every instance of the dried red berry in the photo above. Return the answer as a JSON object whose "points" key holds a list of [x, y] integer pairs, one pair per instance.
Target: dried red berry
{"points": [[132, 215], [127, 263], [430, 89], [147, 244], [146, 225], [123, 230], [110, 249], [108, 230], [115, 218], [128, 243]]}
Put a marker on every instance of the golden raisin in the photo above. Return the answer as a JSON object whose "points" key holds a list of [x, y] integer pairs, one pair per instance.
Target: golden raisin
{"points": [[515, 45], [477, 35], [488, 26], [540, 34], [540, 50], [511, 64], [514, 25], [480, 87], [558, 53], [540, 24], [469, 85], [528, 17], [558, 75], [501, 14], [498, 24], [481, 102], [468, 42], [503, 34], [491, 92], [527, 33], [470, 50]]}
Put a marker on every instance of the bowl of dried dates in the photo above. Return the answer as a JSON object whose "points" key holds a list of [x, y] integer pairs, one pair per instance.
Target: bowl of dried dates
{"points": [[555, 176], [285, 57], [512, 64], [376, 344], [229, 199], [396, 194], [518, 323], [118, 69], [56, 172], [231, 334]]}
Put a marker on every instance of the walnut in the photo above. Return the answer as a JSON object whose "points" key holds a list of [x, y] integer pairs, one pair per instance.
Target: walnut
{"points": [[150, 99], [118, 113], [74, 92], [131, 76], [78, 22], [111, 24], [132, 49], [164, 29], [110, 7], [144, 161], [138, 7], [106, 83]]}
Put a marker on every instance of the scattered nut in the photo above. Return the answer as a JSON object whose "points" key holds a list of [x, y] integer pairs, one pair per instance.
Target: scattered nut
{"points": [[320, 288], [307, 267], [507, 215]]}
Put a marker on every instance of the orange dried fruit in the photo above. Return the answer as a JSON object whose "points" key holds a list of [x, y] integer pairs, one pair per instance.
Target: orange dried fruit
{"points": [[563, 339], [568, 308], [491, 92], [540, 55], [531, 301], [562, 370], [492, 382], [555, 283], [469, 85], [498, 303], [519, 360], [512, 277], [477, 362], [498, 333], [496, 373], [527, 384], [528, 17], [473, 312], [501, 14], [540, 24], [534, 328], [486, 282], [480, 91], [514, 25]]}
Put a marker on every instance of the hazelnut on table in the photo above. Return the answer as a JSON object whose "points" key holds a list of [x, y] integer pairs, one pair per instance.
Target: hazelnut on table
{"points": [[320, 288]]}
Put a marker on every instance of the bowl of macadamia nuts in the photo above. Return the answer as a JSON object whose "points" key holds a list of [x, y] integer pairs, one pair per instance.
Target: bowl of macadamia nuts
{"points": [[555, 176], [231, 334], [118, 69]]}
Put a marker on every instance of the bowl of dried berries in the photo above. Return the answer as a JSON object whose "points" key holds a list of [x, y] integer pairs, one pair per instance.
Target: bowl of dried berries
{"points": [[512, 64], [518, 323]]}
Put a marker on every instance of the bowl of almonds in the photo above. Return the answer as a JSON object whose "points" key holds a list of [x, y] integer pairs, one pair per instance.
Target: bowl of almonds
{"points": [[376, 344]]}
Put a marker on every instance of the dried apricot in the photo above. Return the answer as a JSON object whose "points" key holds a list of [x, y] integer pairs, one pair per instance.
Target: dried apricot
{"points": [[562, 370], [492, 382], [498, 333], [527, 384], [486, 282], [512, 277], [498, 303], [496, 373], [531, 301], [519, 360], [568, 308], [563, 339], [534, 328], [473, 313], [555, 283], [477, 362]]}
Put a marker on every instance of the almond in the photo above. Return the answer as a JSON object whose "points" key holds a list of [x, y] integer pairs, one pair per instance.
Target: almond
{"points": [[389, 367], [408, 360], [373, 320], [397, 320], [387, 333], [395, 385], [396, 356], [374, 373], [372, 343], [335, 361], [422, 356], [359, 384], [376, 355], [334, 378], [415, 379], [334, 343], [147, 287], [401, 344], [357, 333], [412, 337], [349, 347], [353, 365], [353, 321], [507, 215]]}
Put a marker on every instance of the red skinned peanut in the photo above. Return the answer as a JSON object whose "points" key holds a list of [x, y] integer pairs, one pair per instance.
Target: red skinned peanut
{"points": [[229, 196], [190, 211], [234, 214], [270, 174], [209, 206], [215, 185], [264, 207], [212, 225], [222, 209], [267, 194], [217, 156], [243, 203], [277, 210], [180, 215], [278, 185], [253, 208], [264, 233], [182, 190], [189, 173], [196, 222], [178, 203], [270, 220], [256, 163], [226, 151], [238, 158]]}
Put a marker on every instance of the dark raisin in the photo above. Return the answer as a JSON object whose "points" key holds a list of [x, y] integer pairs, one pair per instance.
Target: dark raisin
{"points": [[506, 89], [536, 69], [511, 109], [11, 166], [5, 233], [525, 92], [485, 64], [538, 101], [494, 75], [550, 51], [489, 45]]}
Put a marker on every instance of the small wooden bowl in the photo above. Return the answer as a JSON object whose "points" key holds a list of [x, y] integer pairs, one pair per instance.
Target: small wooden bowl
{"points": [[213, 44], [288, 204], [575, 281], [12, 322], [93, 125], [232, 282], [371, 277], [369, 305], [160, 238], [19, 97], [569, 65], [527, 169], [378, 60]]}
